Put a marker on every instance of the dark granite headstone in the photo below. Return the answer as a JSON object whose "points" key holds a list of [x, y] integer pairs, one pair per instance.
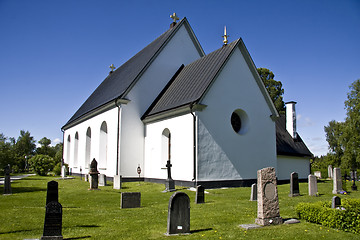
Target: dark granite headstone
{"points": [[7, 181], [94, 176], [336, 202], [53, 221], [200, 194], [130, 200], [294, 185], [52, 194], [178, 221]]}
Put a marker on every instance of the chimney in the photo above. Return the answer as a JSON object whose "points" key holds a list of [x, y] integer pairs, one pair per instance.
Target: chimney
{"points": [[291, 118]]}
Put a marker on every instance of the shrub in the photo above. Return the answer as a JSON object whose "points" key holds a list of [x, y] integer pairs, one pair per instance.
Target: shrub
{"points": [[321, 213], [42, 164]]}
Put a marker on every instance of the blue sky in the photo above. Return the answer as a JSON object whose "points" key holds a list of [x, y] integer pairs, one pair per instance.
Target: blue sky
{"points": [[53, 54]]}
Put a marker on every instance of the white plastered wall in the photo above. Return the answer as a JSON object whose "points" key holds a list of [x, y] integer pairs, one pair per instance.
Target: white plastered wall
{"points": [[181, 130], [180, 50], [288, 164], [224, 154], [111, 119]]}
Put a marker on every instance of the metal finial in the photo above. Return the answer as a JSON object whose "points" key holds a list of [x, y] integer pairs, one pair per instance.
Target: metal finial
{"points": [[225, 41], [112, 67], [174, 17]]}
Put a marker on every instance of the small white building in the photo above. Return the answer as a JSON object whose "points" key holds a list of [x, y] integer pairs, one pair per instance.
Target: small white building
{"points": [[210, 115]]}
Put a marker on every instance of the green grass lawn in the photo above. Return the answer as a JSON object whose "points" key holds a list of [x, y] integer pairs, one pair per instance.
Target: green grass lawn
{"points": [[97, 214]]}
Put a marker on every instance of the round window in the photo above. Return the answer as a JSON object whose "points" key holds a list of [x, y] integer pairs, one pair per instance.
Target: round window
{"points": [[239, 121]]}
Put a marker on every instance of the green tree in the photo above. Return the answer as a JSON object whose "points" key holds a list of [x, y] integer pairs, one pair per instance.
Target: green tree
{"points": [[333, 133], [45, 147], [7, 154], [24, 148], [351, 130], [274, 88]]}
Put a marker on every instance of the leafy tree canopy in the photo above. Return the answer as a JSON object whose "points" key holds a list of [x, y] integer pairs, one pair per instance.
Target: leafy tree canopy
{"points": [[274, 88]]}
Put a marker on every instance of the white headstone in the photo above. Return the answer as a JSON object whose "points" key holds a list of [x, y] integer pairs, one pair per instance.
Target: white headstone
{"points": [[317, 174], [102, 180], [330, 172], [253, 196], [337, 181], [117, 182], [312, 185], [63, 171]]}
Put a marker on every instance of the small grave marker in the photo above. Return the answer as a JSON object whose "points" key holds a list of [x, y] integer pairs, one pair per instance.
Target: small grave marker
{"points": [[330, 172], [117, 182], [312, 184], [130, 200], [253, 196], [7, 181], [178, 221], [317, 174], [294, 185], [336, 202], [102, 180], [200, 194]]}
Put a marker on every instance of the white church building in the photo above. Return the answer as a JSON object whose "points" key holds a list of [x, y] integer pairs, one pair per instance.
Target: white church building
{"points": [[210, 115]]}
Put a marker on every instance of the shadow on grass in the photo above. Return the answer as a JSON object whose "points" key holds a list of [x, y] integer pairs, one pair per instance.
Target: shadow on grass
{"points": [[201, 230], [87, 226], [77, 237], [17, 231], [26, 189]]}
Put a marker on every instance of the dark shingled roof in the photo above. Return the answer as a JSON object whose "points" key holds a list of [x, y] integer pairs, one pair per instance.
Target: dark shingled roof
{"points": [[189, 85], [117, 83], [286, 145]]}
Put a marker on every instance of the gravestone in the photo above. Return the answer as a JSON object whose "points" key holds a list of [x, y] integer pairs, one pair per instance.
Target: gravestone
{"points": [[268, 202], [200, 194], [63, 171], [312, 183], [336, 202], [253, 196], [130, 200], [317, 174], [53, 221], [169, 182], [117, 182], [294, 185], [330, 172], [178, 221], [86, 177], [337, 181], [94, 175], [102, 180], [52, 194], [7, 181]]}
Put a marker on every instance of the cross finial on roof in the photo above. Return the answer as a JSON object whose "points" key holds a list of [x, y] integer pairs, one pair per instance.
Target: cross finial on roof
{"points": [[174, 17], [112, 67], [225, 41]]}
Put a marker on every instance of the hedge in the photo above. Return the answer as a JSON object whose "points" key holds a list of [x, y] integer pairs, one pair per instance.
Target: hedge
{"points": [[346, 218]]}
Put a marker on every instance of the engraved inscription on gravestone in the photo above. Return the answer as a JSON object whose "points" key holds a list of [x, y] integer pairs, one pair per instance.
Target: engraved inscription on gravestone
{"points": [[270, 191], [130, 200], [53, 221]]}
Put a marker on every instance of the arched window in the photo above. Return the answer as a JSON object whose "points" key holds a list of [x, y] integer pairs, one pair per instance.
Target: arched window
{"points": [[103, 145], [165, 147], [68, 149], [76, 149], [88, 147]]}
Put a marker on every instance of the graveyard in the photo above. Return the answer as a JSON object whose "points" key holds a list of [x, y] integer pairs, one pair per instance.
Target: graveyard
{"points": [[97, 214]]}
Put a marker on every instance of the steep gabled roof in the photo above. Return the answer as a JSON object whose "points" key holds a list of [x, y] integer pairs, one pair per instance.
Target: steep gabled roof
{"points": [[117, 84], [190, 85], [286, 145]]}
